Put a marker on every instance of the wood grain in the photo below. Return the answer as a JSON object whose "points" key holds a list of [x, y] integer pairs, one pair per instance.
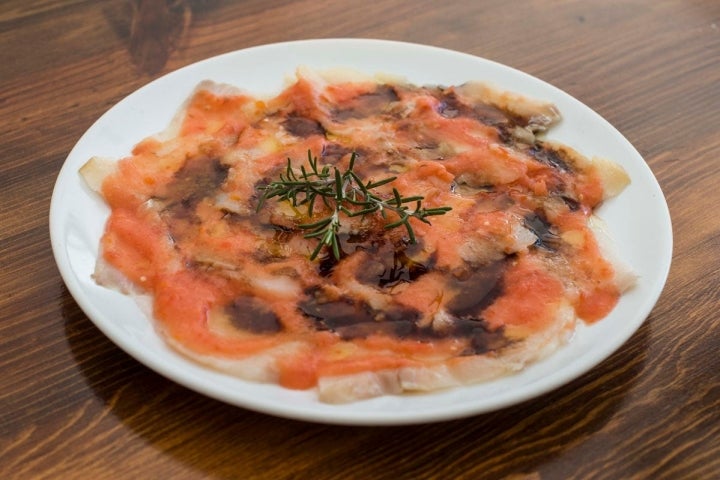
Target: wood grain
{"points": [[73, 405]]}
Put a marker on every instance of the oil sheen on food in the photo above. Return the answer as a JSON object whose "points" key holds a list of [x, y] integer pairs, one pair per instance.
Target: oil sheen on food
{"points": [[229, 280]]}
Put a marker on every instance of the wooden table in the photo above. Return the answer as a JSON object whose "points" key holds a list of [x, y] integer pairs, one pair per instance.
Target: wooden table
{"points": [[73, 405]]}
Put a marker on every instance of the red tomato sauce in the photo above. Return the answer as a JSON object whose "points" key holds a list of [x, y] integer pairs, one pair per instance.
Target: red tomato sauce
{"points": [[232, 278]]}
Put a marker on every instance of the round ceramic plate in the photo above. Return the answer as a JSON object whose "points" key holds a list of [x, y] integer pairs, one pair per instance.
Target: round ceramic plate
{"points": [[638, 220]]}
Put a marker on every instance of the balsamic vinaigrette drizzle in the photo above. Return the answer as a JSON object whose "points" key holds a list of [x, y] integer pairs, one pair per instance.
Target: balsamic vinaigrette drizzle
{"points": [[392, 262]]}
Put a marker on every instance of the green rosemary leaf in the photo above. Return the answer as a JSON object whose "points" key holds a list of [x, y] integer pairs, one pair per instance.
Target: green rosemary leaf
{"points": [[341, 193], [317, 250], [318, 224], [370, 185], [353, 156], [398, 198], [335, 247]]}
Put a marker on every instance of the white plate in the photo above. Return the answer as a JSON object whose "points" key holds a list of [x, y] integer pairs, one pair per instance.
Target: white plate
{"points": [[638, 220]]}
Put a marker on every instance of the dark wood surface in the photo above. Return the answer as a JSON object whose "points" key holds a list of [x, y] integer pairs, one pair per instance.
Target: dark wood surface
{"points": [[73, 405]]}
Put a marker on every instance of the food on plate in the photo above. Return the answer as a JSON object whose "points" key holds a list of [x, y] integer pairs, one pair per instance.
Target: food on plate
{"points": [[361, 235]]}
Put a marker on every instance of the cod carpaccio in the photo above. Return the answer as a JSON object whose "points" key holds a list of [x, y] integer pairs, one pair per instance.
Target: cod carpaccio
{"points": [[498, 278]]}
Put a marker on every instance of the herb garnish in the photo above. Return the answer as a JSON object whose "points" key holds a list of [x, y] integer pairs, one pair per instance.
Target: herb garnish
{"points": [[342, 192]]}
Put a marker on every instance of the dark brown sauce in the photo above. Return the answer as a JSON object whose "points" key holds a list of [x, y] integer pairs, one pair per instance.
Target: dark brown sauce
{"points": [[302, 126], [545, 232], [403, 269], [250, 315], [451, 106], [483, 339], [199, 177], [548, 156], [388, 266], [350, 320], [331, 314], [368, 104], [390, 263], [477, 288], [333, 152], [571, 203]]}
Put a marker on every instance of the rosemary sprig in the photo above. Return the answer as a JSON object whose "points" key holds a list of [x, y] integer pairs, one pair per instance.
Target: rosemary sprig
{"points": [[342, 193]]}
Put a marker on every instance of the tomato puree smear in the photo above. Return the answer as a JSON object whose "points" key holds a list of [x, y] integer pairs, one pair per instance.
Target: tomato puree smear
{"points": [[232, 278]]}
